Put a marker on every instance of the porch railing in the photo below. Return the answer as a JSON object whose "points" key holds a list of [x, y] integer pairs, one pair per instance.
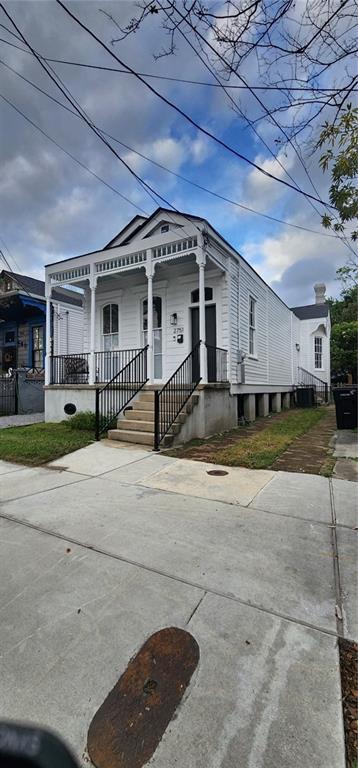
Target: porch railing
{"points": [[107, 364], [119, 391], [170, 399], [69, 369], [74, 369], [217, 362], [307, 379]]}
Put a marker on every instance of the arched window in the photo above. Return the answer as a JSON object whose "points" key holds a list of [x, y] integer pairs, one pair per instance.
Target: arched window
{"points": [[110, 326], [195, 295]]}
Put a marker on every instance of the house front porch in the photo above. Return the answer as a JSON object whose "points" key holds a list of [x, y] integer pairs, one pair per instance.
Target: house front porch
{"points": [[153, 318]]}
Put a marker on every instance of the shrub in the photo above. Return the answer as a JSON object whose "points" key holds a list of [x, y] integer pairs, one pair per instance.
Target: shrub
{"points": [[83, 420]]}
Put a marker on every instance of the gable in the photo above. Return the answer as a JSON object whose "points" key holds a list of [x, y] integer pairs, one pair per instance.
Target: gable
{"points": [[165, 225], [122, 237]]}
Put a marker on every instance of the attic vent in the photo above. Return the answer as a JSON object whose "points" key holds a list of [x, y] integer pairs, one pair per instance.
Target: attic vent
{"points": [[164, 228]]}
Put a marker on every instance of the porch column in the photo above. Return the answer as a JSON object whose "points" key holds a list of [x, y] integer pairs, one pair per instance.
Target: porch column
{"points": [[48, 335], [149, 270], [92, 361], [201, 261]]}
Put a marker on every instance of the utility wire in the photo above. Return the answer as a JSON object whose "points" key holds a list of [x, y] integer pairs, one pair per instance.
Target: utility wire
{"points": [[180, 111], [183, 80], [263, 106], [81, 113], [69, 154], [147, 187], [144, 157]]}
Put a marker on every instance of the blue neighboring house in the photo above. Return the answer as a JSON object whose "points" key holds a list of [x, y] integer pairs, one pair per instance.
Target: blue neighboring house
{"points": [[23, 319]]}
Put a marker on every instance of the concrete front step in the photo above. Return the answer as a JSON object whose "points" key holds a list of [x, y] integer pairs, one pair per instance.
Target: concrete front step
{"points": [[145, 405], [126, 436], [137, 415], [139, 426]]}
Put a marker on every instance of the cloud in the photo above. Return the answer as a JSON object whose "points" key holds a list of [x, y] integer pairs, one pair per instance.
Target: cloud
{"points": [[50, 208]]}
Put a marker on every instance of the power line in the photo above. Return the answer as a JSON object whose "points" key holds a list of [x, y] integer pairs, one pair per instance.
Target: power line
{"points": [[146, 158], [245, 86], [69, 154], [310, 198], [63, 88], [183, 80], [81, 112], [181, 112]]}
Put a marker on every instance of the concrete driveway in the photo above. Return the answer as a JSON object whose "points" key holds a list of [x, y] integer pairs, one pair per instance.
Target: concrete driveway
{"points": [[111, 543]]}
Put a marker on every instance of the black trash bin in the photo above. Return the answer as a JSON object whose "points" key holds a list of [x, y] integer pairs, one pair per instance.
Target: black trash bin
{"points": [[305, 397], [345, 399]]}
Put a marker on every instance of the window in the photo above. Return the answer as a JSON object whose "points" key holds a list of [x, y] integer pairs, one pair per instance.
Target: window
{"points": [[110, 326], [164, 228], [9, 337], [318, 352], [252, 326], [37, 346], [157, 333], [195, 295], [8, 284]]}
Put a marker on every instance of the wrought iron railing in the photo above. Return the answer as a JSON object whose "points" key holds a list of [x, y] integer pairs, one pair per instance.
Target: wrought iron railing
{"points": [[217, 362], [119, 391], [308, 379], [108, 364], [170, 399], [69, 369]]}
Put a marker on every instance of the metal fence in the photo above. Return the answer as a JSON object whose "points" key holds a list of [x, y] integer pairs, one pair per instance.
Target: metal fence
{"points": [[8, 395]]}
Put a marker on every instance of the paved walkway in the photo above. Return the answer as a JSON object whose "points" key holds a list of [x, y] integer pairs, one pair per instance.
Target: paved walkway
{"points": [[21, 420], [110, 544]]}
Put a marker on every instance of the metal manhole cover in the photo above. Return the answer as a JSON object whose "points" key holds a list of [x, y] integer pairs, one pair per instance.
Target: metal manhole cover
{"points": [[130, 723], [217, 472]]}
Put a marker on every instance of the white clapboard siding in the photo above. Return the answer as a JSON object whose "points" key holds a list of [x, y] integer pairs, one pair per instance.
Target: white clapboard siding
{"points": [[279, 344], [68, 329], [296, 347], [256, 367]]}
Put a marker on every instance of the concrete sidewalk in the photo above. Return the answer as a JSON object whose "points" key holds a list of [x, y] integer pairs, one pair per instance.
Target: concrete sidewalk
{"points": [[21, 420], [345, 446], [97, 556]]}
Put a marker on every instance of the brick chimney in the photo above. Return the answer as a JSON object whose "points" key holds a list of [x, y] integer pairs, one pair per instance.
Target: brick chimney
{"points": [[320, 291]]}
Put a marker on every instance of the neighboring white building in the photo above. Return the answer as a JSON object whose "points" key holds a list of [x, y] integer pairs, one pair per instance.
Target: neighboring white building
{"points": [[200, 290], [314, 336]]}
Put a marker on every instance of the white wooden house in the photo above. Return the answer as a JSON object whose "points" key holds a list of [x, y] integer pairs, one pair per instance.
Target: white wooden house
{"points": [[173, 314]]}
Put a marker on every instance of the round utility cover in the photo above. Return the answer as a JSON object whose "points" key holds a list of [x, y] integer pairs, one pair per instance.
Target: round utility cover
{"points": [[217, 472], [70, 409]]}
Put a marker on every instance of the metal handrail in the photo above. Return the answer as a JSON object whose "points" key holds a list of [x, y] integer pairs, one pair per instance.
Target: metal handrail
{"points": [[311, 375], [119, 391], [169, 401], [310, 380]]}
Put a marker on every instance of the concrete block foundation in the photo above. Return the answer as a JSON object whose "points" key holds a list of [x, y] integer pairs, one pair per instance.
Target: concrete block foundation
{"points": [[286, 400], [216, 411], [57, 397], [276, 402], [263, 405], [250, 407]]}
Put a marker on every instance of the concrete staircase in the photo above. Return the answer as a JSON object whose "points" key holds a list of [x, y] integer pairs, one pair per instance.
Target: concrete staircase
{"points": [[136, 423]]}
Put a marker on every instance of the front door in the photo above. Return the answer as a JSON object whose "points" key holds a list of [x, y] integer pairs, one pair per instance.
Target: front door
{"points": [[210, 332]]}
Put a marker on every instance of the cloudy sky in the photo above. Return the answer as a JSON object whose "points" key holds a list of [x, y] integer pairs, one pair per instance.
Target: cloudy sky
{"points": [[51, 208]]}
